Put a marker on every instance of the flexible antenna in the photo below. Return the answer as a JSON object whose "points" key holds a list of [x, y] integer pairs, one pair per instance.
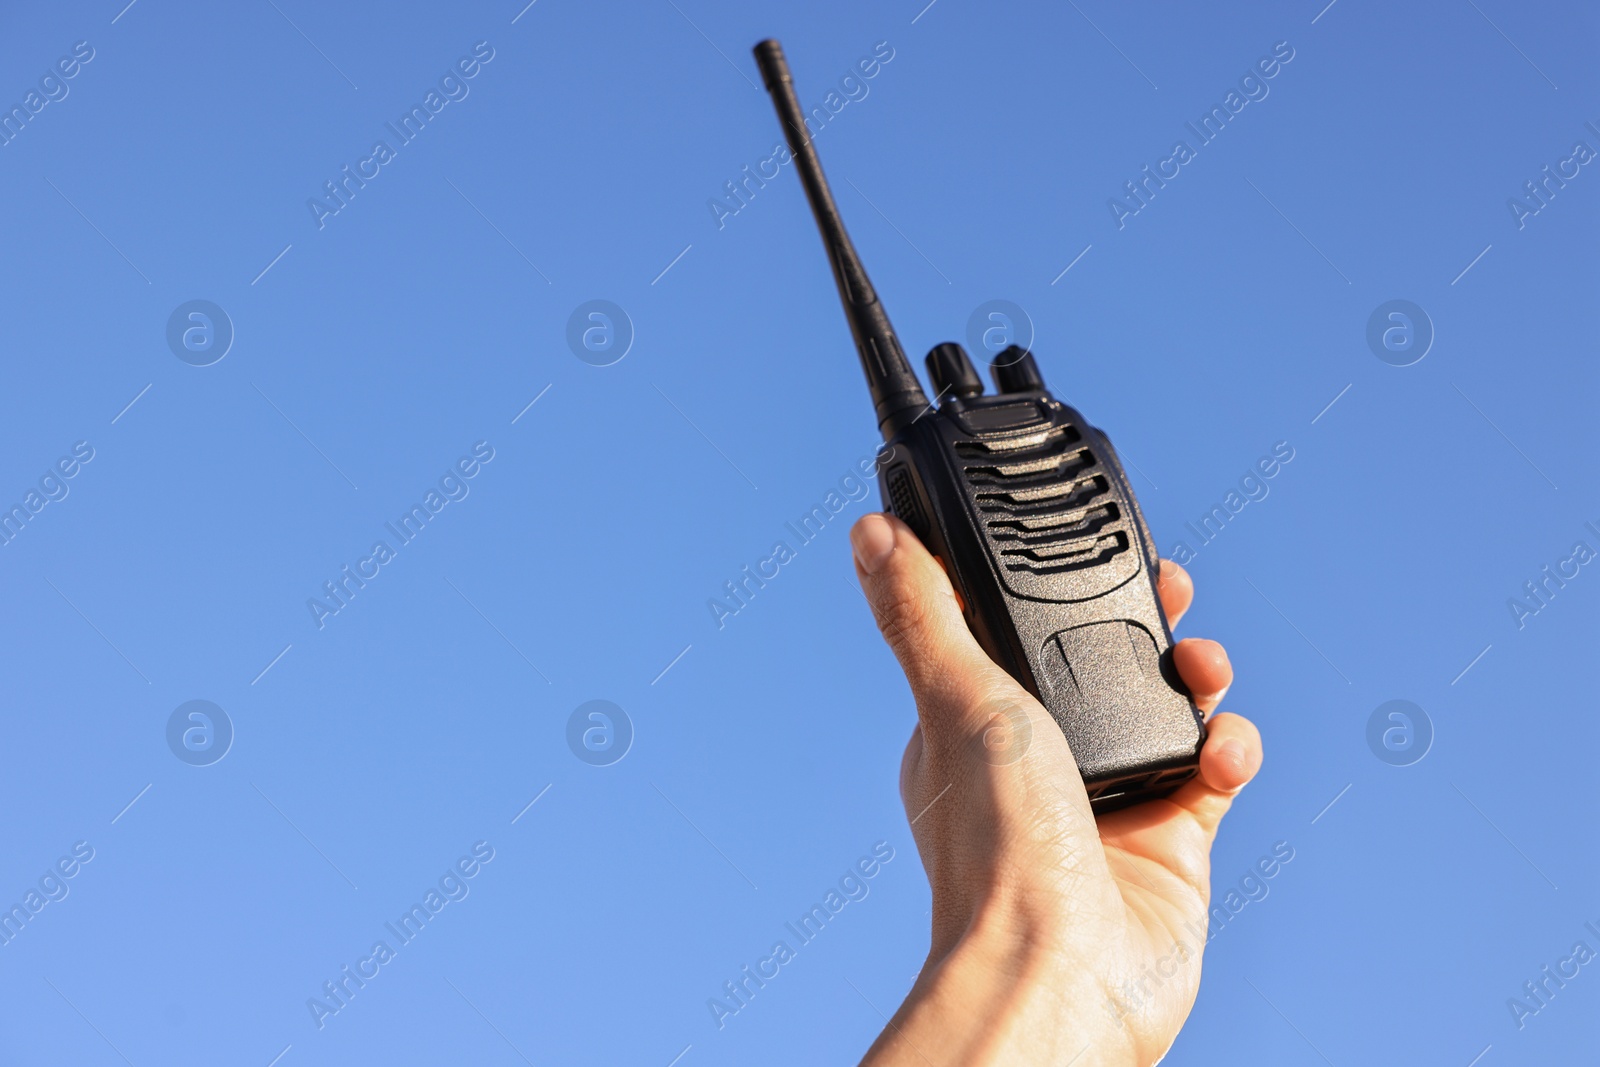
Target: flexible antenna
{"points": [[897, 396]]}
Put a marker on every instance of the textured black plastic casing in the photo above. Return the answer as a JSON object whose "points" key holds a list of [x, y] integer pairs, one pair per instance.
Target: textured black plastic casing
{"points": [[1036, 522]]}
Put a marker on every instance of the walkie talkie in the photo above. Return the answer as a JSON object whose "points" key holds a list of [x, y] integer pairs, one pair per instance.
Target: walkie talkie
{"points": [[1029, 509]]}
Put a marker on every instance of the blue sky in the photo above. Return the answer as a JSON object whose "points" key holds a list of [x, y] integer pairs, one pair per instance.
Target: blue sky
{"points": [[379, 351]]}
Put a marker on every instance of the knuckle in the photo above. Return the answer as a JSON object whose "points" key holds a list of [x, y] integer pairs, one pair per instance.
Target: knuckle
{"points": [[901, 616]]}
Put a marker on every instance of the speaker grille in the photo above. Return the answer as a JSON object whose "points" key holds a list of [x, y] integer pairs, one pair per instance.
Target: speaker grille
{"points": [[1045, 502]]}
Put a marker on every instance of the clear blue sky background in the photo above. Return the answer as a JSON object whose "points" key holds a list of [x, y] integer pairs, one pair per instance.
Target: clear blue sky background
{"points": [[1224, 317]]}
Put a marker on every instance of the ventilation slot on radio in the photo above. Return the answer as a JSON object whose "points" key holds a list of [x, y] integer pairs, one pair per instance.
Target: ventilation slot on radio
{"points": [[1045, 502]]}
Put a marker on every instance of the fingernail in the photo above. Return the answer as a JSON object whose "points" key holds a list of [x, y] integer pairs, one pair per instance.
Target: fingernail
{"points": [[872, 540], [1232, 751], [1168, 569]]}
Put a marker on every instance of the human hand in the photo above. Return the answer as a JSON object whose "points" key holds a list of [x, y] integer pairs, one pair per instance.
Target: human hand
{"points": [[1058, 937]]}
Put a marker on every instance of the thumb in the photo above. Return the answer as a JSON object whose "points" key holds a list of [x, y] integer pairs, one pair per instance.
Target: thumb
{"points": [[916, 608]]}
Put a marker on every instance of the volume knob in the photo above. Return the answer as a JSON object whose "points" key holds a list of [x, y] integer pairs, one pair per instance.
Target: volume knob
{"points": [[952, 373], [1015, 371]]}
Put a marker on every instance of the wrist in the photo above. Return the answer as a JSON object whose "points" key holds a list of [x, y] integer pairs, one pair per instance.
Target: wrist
{"points": [[997, 996]]}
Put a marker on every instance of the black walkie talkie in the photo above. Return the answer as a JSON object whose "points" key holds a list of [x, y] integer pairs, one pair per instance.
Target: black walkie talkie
{"points": [[1029, 508]]}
